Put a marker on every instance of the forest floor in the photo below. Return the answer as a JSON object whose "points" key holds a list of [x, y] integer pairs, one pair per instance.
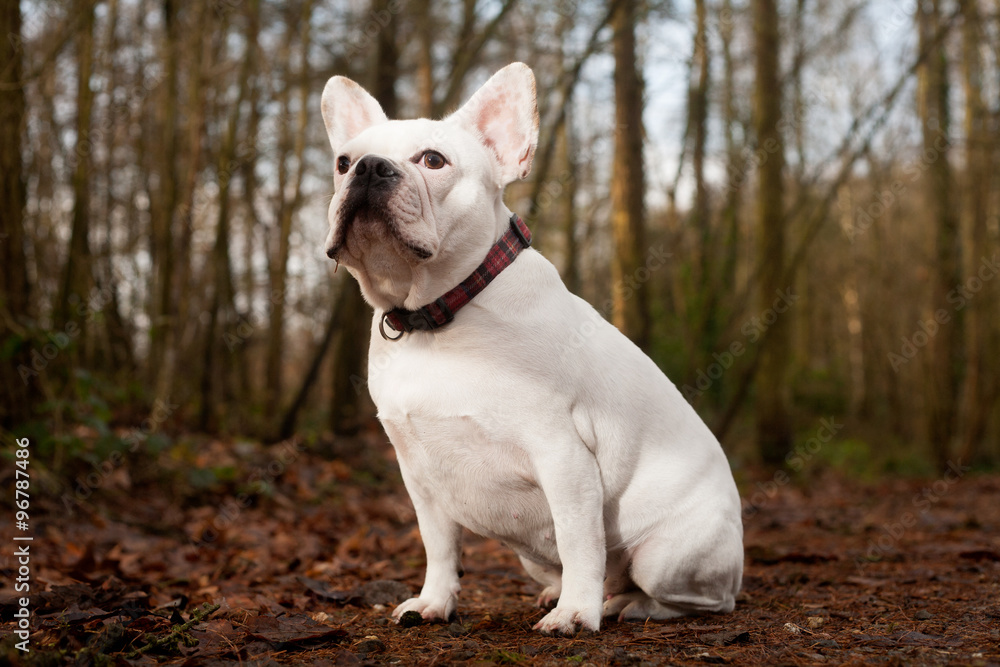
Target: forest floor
{"points": [[238, 554]]}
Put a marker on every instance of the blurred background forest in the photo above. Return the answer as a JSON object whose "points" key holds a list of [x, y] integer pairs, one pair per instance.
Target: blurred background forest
{"points": [[793, 206]]}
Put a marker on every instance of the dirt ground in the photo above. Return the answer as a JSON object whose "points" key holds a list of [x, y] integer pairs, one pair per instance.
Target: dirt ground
{"points": [[190, 560]]}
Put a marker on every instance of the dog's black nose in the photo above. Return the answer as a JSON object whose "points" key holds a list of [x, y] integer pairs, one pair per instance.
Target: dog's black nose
{"points": [[380, 167]]}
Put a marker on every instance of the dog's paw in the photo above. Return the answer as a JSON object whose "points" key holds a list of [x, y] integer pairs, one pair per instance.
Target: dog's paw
{"points": [[549, 597], [429, 609], [563, 621], [639, 606], [615, 604]]}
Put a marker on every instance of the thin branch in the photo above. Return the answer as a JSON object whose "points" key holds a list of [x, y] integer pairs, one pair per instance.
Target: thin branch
{"points": [[178, 633], [568, 84], [819, 213], [467, 55]]}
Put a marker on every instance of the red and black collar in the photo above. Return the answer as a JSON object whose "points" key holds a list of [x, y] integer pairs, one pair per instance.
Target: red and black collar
{"points": [[442, 311]]}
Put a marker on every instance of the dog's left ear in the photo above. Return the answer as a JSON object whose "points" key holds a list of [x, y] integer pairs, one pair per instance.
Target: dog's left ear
{"points": [[348, 110], [504, 113]]}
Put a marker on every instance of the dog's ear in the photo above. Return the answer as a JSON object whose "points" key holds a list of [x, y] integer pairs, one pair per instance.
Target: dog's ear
{"points": [[504, 114], [348, 110]]}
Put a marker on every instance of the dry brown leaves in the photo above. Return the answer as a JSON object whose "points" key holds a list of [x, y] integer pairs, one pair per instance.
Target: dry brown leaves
{"points": [[307, 572]]}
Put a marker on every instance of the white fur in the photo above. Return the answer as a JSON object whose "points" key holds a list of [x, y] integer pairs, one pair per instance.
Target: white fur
{"points": [[529, 418]]}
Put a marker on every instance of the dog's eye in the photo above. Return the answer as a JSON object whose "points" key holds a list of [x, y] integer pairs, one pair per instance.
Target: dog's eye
{"points": [[343, 164], [434, 160]]}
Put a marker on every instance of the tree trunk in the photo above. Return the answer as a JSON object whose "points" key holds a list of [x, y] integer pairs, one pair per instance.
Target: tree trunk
{"points": [[216, 382], [943, 347], [287, 209], [386, 70], [239, 356], [287, 424], [800, 40], [630, 278], [426, 29], [180, 330], [979, 394], [351, 347], [707, 278], [734, 180], [117, 340], [16, 393], [77, 277], [165, 197], [774, 431], [698, 134], [350, 353], [850, 294], [567, 164]]}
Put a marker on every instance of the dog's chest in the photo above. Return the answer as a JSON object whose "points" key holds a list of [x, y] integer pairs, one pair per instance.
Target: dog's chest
{"points": [[482, 479], [461, 451]]}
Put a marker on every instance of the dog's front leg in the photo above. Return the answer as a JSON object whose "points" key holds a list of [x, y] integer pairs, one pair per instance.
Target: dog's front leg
{"points": [[442, 539], [571, 480]]}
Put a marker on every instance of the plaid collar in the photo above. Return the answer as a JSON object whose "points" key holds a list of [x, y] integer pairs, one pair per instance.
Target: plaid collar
{"points": [[442, 311]]}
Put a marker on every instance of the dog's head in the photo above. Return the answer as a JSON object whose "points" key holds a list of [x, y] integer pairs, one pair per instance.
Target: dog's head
{"points": [[418, 203]]}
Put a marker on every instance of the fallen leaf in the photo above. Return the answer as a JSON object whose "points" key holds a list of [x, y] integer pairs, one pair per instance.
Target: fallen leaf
{"points": [[287, 631]]}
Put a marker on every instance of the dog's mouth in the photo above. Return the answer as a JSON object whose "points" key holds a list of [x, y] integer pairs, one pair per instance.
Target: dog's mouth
{"points": [[374, 211]]}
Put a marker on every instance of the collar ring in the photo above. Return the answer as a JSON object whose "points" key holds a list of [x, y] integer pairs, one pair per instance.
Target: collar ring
{"points": [[381, 329]]}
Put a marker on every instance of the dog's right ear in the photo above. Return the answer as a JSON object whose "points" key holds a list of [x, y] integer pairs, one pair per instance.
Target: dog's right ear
{"points": [[504, 115], [348, 110]]}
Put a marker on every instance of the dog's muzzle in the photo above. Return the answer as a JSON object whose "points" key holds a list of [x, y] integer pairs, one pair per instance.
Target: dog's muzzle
{"points": [[373, 183]]}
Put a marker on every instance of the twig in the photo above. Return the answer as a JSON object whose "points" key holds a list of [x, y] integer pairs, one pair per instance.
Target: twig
{"points": [[206, 610]]}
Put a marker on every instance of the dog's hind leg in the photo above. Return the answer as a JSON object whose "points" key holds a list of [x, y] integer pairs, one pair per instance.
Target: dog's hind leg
{"points": [[616, 576], [549, 577], [638, 605], [676, 578]]}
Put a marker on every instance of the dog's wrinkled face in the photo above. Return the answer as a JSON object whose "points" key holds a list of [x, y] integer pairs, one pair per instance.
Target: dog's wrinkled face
{"points": [[417, 202]]}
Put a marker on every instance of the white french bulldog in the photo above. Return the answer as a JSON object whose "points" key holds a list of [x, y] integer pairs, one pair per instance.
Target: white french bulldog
{"points": [[523, 416]]}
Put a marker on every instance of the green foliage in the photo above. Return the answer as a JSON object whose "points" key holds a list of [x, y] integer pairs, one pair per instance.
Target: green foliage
{"points": [[212, 478], [819, 391], [11, 345], [850, 456], [904, 460], [503, 657], [859, 458]]}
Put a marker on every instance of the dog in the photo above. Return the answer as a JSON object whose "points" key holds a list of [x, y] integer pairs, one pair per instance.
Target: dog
{"points": [[515, 410]]}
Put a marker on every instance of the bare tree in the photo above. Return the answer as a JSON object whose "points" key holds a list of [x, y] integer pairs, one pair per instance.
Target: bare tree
{"points": [[467, 49], [774, 431], [165, 197], [732, 123], [221, 306], [177, 220], [287, 206], [351, 345], [944, 347], [630, 289], [566, 159], [706, 274], [698, 91], [77, 275], [426, 27], [15, 295], [979, 395]]}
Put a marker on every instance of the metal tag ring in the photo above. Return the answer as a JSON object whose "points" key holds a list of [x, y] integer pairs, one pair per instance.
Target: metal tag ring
{"points": [[381, 329]]}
